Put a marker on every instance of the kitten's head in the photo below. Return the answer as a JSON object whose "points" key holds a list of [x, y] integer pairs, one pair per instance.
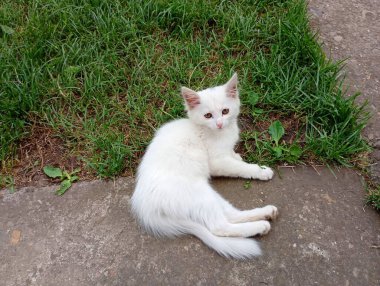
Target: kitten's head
{"points": [[213, 107]]}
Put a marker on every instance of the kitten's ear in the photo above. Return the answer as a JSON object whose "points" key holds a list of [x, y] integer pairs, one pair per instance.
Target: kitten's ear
{"points": [[231, 86], [192, 98]]}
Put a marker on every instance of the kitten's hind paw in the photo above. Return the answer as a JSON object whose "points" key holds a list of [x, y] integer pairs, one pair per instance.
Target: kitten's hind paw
{"points": [[266, 173], [264, 227], [270, 211]]}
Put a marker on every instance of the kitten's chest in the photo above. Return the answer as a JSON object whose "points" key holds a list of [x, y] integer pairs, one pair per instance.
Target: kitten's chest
{"points": [[222, 142]]}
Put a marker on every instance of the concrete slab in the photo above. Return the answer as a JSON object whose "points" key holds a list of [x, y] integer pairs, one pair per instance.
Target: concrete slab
{"points": [[324, 236]]}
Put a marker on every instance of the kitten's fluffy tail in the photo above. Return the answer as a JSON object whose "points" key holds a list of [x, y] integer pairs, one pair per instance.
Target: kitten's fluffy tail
{"points": [[231, 247]]}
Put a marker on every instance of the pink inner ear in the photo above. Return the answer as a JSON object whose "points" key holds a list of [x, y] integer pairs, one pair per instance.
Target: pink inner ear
{"points": [[231, 88], [232, 91], [191, 97], [192, 100]]}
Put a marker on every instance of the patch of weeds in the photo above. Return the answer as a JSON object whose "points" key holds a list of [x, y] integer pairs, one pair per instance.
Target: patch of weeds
{"points": [[7, 181], [267, 146], [65, 178], [373, 198], [276, 131], [285, 152], [252, 100]]}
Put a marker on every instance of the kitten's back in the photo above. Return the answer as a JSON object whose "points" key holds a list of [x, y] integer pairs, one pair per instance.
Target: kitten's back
{"points": [[176, 149]]}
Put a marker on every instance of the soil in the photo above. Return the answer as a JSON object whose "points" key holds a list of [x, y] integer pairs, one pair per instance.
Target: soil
{"points": [[41, 148]]}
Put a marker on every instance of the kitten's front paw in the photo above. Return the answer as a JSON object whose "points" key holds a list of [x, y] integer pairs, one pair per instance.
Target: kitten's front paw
{"points": [[266, 173]]}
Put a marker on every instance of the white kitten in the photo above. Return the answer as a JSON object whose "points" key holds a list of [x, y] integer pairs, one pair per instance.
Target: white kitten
{"points": [[173, 195]]}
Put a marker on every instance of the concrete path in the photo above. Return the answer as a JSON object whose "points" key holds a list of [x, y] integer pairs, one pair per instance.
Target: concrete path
{"points": [[323, 236]]}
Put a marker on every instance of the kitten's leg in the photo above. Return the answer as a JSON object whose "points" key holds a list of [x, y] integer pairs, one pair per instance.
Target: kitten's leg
{"points": [[235, 215], [231, 167], [246, 229], [236, 156], [265, 213], [218, 221]]}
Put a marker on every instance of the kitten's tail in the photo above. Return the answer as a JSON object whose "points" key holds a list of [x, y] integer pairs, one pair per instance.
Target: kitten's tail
{"points": [[231, 247]]}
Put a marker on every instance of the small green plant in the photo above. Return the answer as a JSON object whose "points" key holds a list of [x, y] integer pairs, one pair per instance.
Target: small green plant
{"points": [[7, 181], [295, 152], [276, 131], [288, 153], [6, 30], [66, 178], [253, 99], [373, 198], [247, 185]]}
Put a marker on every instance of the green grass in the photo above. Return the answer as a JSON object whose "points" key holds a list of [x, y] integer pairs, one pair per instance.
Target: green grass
{"points": [[373, 198], [104, 74]]}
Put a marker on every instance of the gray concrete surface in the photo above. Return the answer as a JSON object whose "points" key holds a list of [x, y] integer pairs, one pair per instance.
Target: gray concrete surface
{"points": [[323, 236], [351, 30]]}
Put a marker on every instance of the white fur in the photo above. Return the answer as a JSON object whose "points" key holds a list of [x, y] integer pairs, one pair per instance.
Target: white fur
{"points": [[173, 195]]}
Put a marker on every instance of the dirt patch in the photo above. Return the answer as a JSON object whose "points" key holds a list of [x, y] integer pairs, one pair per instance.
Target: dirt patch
{"points": [[293, 125], [256, 126], [42, 147]]}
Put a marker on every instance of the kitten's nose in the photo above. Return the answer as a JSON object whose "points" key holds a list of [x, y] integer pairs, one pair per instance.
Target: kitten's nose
{"points": [[219, 125]]}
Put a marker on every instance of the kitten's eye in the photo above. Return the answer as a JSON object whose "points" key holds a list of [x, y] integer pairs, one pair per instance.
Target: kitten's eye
{"points": [[208, 115], [225, 111]]}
